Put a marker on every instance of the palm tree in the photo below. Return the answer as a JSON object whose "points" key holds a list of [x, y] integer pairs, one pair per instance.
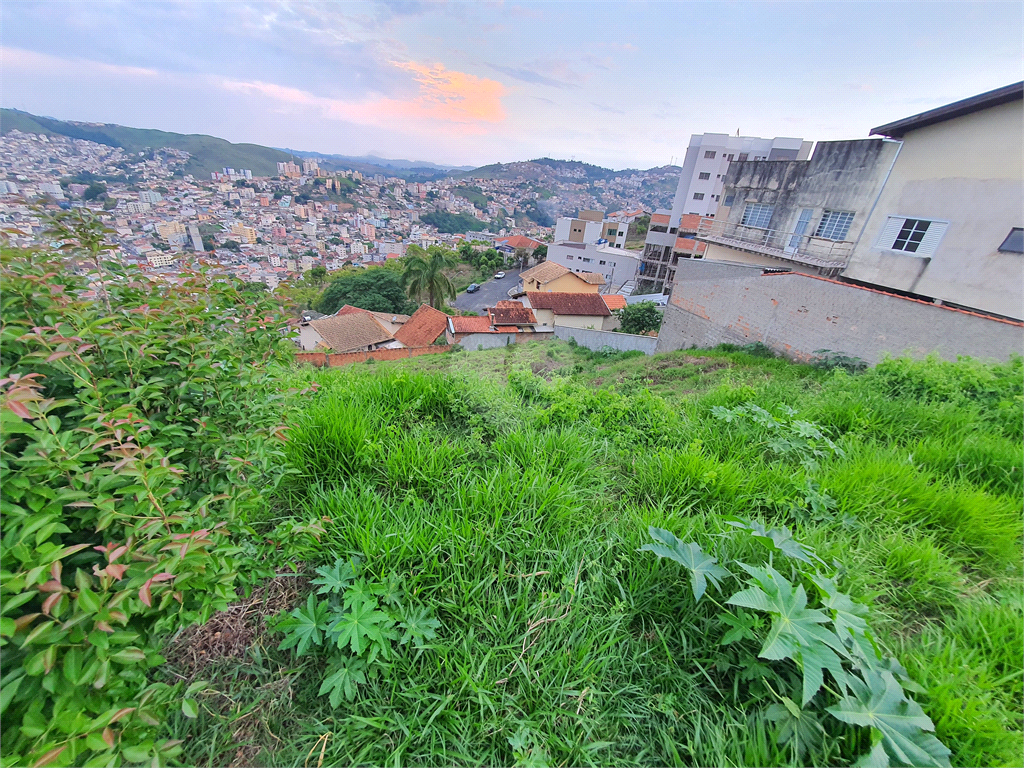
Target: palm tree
{"points": [[424, 274]]}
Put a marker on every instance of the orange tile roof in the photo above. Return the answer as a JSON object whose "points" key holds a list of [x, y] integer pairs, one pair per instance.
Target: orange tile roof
{"points": [[471, 324], [590, 304], [614, 301], [351, 331], [590, 277], [511, 312], [544, 272], [423, 328], [506, 329]]}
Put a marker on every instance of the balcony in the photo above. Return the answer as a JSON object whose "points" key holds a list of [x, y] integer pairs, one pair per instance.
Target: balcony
{"points": [[803, 249]]}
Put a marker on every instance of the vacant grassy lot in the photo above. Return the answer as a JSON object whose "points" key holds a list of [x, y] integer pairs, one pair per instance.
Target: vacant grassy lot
{"points": [[477, 519]]}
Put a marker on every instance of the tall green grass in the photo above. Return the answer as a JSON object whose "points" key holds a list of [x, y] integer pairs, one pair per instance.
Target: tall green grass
{"points": [[514, 507]]}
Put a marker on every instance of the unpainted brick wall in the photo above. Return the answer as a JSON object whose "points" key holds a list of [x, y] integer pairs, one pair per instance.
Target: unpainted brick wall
{"points": [[322, 359], [797, 315]]}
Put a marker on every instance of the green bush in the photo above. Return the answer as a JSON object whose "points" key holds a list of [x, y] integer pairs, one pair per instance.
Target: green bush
{"points": [[135, 440]]}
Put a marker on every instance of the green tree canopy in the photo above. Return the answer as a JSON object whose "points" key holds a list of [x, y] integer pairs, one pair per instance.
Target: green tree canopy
{"points": [[425, 277], [639, 318], [375, 289]]}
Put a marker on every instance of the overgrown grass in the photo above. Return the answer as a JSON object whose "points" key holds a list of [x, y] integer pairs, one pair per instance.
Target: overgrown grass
{"points": [[510, 491]]}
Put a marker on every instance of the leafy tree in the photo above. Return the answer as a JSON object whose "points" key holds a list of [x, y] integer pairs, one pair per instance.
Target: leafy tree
{"points": [[209, 243], [110, 204], [446, 221], [317, 276], [94, 190], [232, 245], [375, 289], [540, 253], [425, 274], [639, 318]]}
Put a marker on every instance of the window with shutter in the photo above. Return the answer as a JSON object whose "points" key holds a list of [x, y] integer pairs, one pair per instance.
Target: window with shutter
{"points": [[919, 237]]}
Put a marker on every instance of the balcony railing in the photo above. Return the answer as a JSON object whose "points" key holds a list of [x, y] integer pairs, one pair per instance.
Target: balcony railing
{"points": [[788, 246]]}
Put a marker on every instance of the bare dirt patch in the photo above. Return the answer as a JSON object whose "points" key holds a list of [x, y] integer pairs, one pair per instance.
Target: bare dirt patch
{"points": [[230, 633]]}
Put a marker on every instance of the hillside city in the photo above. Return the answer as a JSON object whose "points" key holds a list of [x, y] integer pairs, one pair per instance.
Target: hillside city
{"points": [[272, 229], [319, 459]]}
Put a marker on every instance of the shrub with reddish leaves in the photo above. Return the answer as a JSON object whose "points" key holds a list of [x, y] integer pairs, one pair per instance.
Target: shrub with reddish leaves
{"points": [[137, 441]]}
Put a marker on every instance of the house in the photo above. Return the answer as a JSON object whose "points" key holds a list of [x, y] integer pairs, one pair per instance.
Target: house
{"points": [[390, 322], [571, 310], [931, 209], [614, 301], [615, 265], [948, 224], [802, 215], [352, 332], [519, 241], [549, 276], [507, 322], [423, 328]]}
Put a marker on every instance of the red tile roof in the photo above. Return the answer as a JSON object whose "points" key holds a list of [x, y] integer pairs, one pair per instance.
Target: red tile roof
{"points": [[423, 328], [506, 329], [350, 332], [511, 313], [590, 304], [521, 241], [471, 324], [614, 301]]}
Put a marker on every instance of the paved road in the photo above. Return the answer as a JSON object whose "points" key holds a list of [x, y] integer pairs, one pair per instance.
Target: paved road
{"points": [[491, 292]]}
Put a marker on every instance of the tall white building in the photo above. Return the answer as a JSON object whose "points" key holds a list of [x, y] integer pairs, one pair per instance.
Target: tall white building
{"points": [[670, 235], [149, 196]]}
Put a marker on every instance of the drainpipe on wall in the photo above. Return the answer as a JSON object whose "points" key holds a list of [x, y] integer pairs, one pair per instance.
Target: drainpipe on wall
{"points": [[877, 197]]}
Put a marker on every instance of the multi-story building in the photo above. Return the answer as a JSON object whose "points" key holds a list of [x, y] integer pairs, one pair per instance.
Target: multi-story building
{"points": [[925, 211], [243, 233], [698, 194], [289, 170], [616, 265], [197, 238], [52, 189], [149, 196], [172, 231], [309, 229], [134, 207], [590, 227]]}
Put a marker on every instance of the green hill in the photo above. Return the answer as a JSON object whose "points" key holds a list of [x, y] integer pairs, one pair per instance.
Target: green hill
{"points": [[208, 152]]}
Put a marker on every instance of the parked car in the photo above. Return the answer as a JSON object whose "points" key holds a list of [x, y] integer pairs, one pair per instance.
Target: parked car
{"points": [[473, 288], [499, 275]]}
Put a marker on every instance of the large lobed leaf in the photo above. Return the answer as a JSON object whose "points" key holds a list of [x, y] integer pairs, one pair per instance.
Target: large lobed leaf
{"points": [[702, 566]]}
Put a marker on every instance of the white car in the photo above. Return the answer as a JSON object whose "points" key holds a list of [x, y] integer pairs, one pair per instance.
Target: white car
{"points": [[498, 275]]}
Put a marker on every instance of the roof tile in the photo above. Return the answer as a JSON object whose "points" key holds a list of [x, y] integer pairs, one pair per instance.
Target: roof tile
{"points": [[591, 304], [350, 332], [423, 328], [614, 301]]}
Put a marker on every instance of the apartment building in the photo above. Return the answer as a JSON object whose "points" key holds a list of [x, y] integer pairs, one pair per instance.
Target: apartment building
{"points": [[197, 238], [616, 265], [931, 209], [243, 233], [590, 227], [802, 215], [172, 231], [698, 194], [149, 196]]}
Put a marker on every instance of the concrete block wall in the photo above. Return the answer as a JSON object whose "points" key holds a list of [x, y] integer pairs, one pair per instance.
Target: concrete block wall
{"points": [[796, 315], [598, 340]]}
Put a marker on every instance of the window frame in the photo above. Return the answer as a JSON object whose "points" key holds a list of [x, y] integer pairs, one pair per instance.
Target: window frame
{"points": [[704, 175], [889, 234], [832, 221], [698, 195], [709, 154], [747, 211]]}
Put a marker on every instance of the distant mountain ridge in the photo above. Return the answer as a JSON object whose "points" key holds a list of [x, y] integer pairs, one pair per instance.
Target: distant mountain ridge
{"points": [[210, 154]]}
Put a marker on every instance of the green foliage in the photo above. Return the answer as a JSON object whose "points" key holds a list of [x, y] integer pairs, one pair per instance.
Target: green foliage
{"points": [[639, 318], [424, 275], [452, 223], [94, 191], [357, 626], [376, 288], [136, 438], [868, 692]]}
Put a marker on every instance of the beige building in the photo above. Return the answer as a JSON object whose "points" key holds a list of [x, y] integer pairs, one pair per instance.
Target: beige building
{"points": [[948, 223], [571, 310], [243, 233], [171, 231], [549, 276]]}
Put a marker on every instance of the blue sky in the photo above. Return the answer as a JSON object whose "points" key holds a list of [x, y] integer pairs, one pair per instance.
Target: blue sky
{"points": [[619, 84]]}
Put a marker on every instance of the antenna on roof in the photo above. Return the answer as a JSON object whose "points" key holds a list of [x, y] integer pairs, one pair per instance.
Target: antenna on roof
{"points": [[737, 131]]}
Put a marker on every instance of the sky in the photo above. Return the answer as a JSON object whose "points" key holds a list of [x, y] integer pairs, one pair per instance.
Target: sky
{"points": [[618, 84]]}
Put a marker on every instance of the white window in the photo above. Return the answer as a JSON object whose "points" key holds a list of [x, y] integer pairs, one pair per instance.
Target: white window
{"points": [[698, 195], [703, 176], [834, 225], [917, 236], [758, 215], [709, 155]]}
